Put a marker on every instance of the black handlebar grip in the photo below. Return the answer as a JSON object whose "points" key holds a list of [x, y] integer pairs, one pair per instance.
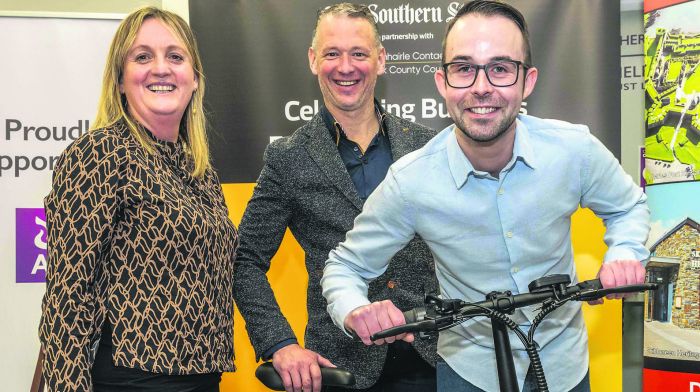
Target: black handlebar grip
{"points": [[336, 377]]}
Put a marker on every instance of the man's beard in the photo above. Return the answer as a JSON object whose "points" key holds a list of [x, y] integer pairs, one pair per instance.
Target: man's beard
{"points": [[499, 130]]}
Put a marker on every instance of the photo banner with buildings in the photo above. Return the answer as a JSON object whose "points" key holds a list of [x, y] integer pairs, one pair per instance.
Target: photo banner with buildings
{"points": [[672, 313], [672, 91], [671, 172]]}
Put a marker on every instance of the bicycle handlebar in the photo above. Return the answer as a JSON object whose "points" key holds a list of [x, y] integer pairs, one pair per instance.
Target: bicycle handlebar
{"points": [[442, 314], [337, 377]]}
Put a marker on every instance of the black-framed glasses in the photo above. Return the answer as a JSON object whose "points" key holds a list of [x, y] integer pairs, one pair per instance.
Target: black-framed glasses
{"points": [[500, 73]]}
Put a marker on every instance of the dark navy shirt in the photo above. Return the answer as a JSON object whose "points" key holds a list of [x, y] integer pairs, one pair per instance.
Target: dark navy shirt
{"points": [[366, 168]]}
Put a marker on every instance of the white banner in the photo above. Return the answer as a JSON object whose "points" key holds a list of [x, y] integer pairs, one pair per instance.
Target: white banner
{"points": [[50, 78]]}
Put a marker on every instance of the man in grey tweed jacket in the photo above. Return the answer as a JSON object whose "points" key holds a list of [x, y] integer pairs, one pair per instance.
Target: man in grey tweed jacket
{"points": [[315, 183]]}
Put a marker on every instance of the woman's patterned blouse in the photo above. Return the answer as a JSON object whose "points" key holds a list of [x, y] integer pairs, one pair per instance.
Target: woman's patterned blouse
{"points": [[134, 239]]}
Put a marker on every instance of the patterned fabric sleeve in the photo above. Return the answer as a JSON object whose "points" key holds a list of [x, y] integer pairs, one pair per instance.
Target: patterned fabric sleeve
{"points": [[80, 214]]}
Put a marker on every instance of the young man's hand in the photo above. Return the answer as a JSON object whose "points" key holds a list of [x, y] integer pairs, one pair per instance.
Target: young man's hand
{"points": [[377, 316]]}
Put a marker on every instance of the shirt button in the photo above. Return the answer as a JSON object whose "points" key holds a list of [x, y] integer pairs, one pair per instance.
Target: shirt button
{"points": [[355, 148], [500, 191], [391, 284], [515, 269], [509, 234]]}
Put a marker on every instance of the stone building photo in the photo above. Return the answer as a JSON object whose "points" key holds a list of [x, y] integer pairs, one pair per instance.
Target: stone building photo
{"points": [[672, 312]]}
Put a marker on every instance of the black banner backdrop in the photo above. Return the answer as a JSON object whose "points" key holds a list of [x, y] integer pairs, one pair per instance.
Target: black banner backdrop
{"points": [[260, 85]]}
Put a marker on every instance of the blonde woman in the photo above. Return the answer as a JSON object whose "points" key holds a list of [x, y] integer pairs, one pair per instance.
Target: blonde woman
{"points": [[141, 249]]}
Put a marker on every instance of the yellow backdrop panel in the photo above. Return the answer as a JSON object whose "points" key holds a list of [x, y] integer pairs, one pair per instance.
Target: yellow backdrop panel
{"points": [[289, 279]]}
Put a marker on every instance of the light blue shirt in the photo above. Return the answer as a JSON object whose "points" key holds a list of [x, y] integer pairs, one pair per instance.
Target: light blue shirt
{"points": [[490, 233]]}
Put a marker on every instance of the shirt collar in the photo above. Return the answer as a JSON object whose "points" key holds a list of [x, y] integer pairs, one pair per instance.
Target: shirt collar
{"points": [[336, 129], [461, 167], [522, 147]]}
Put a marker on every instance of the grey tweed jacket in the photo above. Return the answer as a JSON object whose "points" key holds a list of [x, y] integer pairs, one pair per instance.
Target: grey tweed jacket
{"points": [[305, 186]]}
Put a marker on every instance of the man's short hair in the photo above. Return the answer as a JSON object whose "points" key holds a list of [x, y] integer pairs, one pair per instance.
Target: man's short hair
{"points": [[491, 8], [351, 10]]}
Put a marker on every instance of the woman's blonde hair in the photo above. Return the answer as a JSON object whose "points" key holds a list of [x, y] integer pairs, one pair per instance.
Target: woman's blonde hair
{"points": [[112, 104]]}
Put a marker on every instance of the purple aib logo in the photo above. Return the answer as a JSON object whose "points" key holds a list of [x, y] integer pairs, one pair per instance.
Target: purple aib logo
{"points": [[31, 245]]}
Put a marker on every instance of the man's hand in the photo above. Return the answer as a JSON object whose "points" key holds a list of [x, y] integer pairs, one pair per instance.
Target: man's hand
{"points": [[299, 368], [377, 316], [620, 273]]}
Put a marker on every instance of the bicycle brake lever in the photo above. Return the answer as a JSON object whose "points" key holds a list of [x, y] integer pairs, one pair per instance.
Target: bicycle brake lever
{"points": [[427, 321], [593, 284], [418, 326], [593, 289]]}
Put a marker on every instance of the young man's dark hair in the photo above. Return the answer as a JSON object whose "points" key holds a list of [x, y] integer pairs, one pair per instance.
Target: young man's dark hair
{"points": [[491, 8]]}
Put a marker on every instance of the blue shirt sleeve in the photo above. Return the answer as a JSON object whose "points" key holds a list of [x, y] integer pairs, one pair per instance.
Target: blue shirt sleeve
{"points": [[383, 228], [622, 205]]}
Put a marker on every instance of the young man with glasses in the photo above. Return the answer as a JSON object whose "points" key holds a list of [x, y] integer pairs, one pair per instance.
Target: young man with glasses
{"points": [[315, 183], [492, 196]]}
